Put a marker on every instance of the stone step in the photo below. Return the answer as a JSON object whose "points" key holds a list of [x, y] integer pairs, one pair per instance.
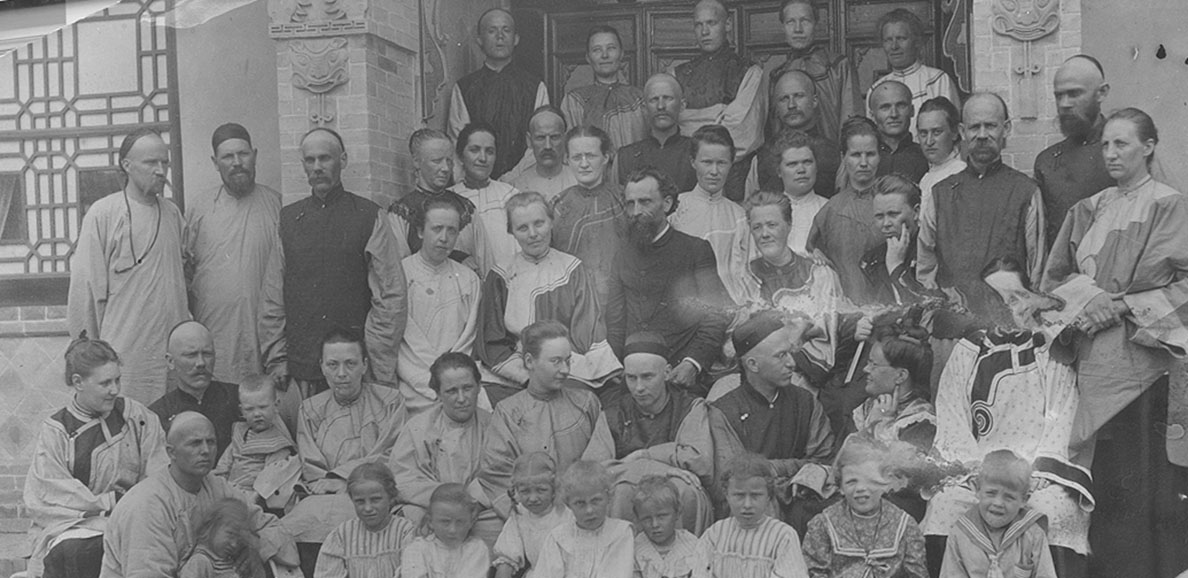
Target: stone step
{"points": [[14, 548]]}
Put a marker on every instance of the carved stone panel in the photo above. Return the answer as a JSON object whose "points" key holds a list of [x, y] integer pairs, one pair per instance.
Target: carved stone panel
{"points": [[1025, 20]]}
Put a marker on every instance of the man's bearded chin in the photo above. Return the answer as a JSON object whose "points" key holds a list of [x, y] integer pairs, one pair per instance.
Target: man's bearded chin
{"points": [[240, 183], [641, 231], [1073, 125]]}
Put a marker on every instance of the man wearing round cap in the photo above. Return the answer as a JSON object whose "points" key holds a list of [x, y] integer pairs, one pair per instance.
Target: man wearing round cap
{"points": [[660, 429], [230, 234], [766, 414]]}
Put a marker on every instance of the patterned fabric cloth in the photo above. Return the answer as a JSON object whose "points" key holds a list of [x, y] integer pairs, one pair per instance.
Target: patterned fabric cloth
{"points": [[914, 422], [353, 551], [615, 108], [842, 544], [676, 561], [770, 550], [571, 552], [428, 557]]}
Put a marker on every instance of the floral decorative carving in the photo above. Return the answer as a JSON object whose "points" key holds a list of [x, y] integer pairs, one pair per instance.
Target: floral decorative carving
{"points": [[1025, 20]]}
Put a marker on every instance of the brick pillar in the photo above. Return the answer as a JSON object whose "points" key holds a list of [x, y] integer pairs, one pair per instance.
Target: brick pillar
{"points": [[349, 65], [998, 56]]}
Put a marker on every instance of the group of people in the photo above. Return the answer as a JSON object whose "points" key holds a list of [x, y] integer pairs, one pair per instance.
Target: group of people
{"points": [[720, 326]]}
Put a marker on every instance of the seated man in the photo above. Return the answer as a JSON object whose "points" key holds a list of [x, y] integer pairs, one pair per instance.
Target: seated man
{"points": [[350, 424], [190, 357], [546, 173], [443, 444], [665, 147], [88, 455], [767, 414], [890, 267], [666, 281], [662, 430], [150, 531]]}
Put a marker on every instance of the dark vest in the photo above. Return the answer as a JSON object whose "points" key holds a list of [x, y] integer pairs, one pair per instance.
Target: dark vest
{"points": [[505, 100]]}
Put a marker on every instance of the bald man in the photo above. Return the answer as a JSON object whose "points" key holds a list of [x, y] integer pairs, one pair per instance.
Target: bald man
{"points": [[902, 33], [127, 285], [190, 356], [1073, 169], [545, 173], [665, 147], [795, 106], [892, 110], [500, 93], [151, 530], [986, 211], [341, 269], [722, 87], [831, 75]]}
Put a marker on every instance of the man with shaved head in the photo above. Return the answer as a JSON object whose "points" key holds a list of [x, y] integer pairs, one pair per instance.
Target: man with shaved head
{"points": [[190, 355], [546, 174], [127, 284], [151, 530], [665, 147], [795, 107], [892, 110], [832, 76], [341, 269], [986, 211], [722, 87], [1074, 169], [500, 93]]}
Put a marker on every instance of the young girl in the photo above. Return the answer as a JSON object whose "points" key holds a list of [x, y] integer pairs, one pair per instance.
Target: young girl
{"points": [[863, 536], [369, 546], [588, 545], [449, 551], [535, 513], [662, 550], [749, 544], [225, 545]]}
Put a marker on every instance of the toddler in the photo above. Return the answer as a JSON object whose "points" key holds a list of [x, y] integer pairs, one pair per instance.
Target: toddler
{"points": [[588, 544], [662, 550], [225, 544], [449, 551], [369, 546], [258, 441]]}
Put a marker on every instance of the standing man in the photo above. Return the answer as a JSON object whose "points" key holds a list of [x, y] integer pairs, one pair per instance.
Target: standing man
{"points": [[723, 88], [795, 105], [608, 104], [986, 211], [127, 284], [665, 147], [1074, 169], [902, 33], [892, 110], [832, 76], [230, 237], [341, 268], [190, 353], [548, 175], [500, 93]]}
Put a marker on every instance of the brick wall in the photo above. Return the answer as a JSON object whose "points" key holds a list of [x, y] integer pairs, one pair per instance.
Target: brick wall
{"points": [[995, 59]]}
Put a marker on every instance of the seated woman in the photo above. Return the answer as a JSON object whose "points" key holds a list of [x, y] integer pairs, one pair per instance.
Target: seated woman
{"points": [[476, 151], [88, 455], [1008, 388], [540, 282], [547, 416]]}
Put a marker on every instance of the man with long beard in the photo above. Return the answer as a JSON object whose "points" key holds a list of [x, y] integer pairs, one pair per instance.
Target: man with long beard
{"points": [[666, 281]]}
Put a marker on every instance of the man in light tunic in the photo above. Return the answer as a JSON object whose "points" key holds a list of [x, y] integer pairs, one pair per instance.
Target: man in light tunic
{"points": [[230, 235], [546, 173], [127, 285], [902, 34]]}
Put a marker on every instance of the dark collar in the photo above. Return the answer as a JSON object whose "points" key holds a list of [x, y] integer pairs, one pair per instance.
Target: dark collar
{"points": [[994, 167], [332, 196]]}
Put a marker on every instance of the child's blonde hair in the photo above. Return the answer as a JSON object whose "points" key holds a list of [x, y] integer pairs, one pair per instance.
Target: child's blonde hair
{"points": [[656, 489], [234, 513], [748, 465], [256, 383], [373, 472], [860, 449], [534, 467], [1006, 468], [585, 475]]}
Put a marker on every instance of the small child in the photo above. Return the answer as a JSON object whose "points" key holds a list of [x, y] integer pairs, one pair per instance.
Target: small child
{"points": [[449, 551], [864, 534], [535, 513], [259, 440], [661, 549], [225, 544], [589, 545], [749, 544], [1000, 536], [369, 546]]}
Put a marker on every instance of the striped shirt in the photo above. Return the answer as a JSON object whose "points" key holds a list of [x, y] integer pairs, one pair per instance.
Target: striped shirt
{"points": [[353, 550], [770, 549]]}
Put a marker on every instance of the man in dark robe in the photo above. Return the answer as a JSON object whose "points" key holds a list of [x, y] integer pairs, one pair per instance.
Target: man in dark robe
{"points": [[1073, 169], [892, 110], [665, 147], [795, 105], [500, 93], [832, 76], [190, 356], [666, 281], [986, 211], [722, 87]]}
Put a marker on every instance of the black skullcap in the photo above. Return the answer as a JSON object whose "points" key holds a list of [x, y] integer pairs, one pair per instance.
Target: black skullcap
{"points": [[754, 330], [646, 342], [227, 132]]}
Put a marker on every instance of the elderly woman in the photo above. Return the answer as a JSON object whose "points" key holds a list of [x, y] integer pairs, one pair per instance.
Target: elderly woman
{"points": [[564, 422], [88, 455], [1128, 247], [540, 282], [476, 151]]}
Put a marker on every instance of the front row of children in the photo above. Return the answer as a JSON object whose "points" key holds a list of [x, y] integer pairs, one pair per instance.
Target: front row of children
{"points": [[862, 535]]}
